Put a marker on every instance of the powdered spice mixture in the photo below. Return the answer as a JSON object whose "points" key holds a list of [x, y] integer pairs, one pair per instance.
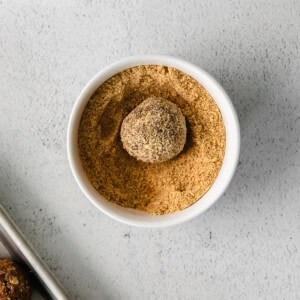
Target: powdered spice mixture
{"points": [[155, 188]]}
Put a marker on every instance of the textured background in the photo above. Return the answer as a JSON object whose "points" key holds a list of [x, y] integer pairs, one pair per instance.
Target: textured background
{"points": [[248, 245]]}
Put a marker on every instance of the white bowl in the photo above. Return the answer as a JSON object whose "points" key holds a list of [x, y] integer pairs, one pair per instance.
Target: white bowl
{"points": [[139, 218]]}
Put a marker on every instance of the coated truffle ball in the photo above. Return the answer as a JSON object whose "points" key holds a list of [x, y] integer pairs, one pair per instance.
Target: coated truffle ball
{"points": [[155, 131], [14, 284]]}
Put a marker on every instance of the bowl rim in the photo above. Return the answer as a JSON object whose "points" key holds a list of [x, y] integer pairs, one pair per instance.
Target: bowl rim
{"points": [[229, 164]]}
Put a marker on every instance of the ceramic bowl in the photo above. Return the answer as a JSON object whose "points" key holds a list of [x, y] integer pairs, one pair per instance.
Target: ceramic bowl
{"points": [[139, 218]]}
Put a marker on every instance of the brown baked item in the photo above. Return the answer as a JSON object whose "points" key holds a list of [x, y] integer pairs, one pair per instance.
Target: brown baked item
{"points": [[155, 131], [14, 284]]}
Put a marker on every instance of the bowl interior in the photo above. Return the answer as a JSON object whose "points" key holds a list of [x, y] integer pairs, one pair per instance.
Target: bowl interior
{"points": [[139, 218]]}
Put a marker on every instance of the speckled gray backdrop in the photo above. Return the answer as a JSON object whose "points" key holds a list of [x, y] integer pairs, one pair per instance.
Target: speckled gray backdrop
{"points": [[245, 247]]}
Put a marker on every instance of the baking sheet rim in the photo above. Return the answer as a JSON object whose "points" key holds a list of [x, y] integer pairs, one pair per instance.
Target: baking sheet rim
{"points": [[34, 260]]}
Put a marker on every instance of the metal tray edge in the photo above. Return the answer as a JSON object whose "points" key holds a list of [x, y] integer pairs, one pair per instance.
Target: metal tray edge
{"points": [[35, 261]]}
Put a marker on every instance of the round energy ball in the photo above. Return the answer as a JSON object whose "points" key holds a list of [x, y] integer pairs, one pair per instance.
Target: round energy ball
{"points": [[14, 283], [155, 131]]}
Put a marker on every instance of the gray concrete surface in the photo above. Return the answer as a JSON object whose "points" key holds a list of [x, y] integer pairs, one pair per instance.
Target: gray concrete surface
{"points": [[245, 247]]}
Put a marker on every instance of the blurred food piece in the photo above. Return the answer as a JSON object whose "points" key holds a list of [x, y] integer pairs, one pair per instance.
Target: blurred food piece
{"points": [[14, 283]]}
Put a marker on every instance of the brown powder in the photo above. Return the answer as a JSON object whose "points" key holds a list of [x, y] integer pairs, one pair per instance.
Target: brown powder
{"points": [[155, 188]]}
